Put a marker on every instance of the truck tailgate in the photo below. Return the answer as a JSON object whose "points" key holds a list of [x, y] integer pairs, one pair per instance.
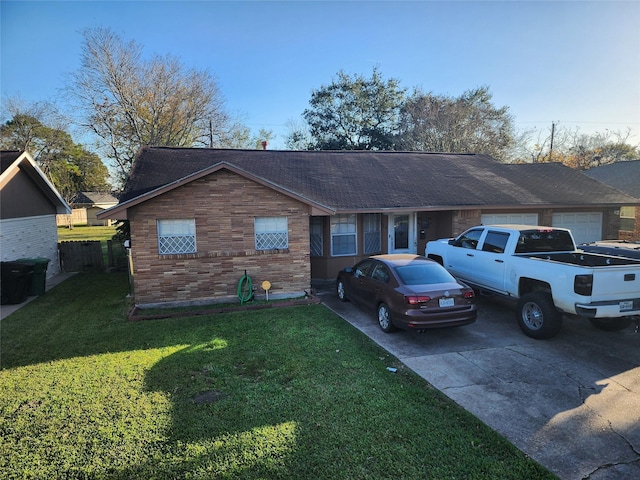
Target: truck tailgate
{"points": [[616, 283]]}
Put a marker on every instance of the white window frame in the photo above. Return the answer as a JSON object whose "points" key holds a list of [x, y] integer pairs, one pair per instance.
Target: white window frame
{"points": [[344, 226], [176, 236], [627, 218], [271, 233]]}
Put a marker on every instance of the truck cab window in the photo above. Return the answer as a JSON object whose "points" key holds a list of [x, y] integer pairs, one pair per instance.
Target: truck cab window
{"points": [[469, 239], [495, 242]]}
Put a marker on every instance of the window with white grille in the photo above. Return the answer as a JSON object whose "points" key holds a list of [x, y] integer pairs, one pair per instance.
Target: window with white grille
{"points": [[176, 236], [372, 238], [343, 235], [272, 233]]}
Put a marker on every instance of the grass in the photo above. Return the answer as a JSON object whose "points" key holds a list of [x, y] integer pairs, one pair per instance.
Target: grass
{"points": [[278, 393], [84, 232]]}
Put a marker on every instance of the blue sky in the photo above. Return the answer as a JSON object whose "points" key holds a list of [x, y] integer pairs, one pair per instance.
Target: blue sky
{"points": [[573, 63]]}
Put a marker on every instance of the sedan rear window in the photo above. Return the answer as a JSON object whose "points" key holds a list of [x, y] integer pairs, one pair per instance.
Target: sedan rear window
{"points": [[423, 274]]}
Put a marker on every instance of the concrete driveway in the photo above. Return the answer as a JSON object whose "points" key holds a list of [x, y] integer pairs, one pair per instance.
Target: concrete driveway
{"points": [[572, 403]]}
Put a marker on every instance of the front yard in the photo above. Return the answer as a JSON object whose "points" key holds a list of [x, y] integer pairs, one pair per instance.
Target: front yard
{"points": [[278, 393]]}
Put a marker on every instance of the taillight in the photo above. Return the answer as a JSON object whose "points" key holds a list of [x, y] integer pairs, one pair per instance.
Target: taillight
{"points": [[468, 294], [583, 284], [416, 299]]}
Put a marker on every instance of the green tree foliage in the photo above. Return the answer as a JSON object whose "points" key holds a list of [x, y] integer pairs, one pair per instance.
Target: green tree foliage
{"points": [[358, 113], [69, 166], [468, 123], [353, 113], [129, 101]]}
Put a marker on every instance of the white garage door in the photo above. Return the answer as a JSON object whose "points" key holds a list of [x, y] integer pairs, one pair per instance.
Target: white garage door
{"points": [[509, 218], [585, 226]]}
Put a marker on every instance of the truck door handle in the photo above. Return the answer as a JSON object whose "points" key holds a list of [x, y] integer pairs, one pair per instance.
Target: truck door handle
{"points": [[499, 261]]}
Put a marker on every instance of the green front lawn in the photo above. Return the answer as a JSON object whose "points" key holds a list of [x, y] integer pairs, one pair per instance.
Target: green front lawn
{"points": [[292, 393], [84, 233]]}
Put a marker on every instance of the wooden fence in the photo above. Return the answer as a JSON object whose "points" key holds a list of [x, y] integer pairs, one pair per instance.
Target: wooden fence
{"points": [[81, 256]]}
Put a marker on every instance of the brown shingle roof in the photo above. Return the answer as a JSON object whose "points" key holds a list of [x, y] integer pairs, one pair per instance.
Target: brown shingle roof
{"points": [[373, 180], [625, 176]]}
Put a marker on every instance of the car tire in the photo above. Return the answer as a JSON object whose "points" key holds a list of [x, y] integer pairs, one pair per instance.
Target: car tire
{"points": [[537, 315], [611, 324], [342, 294], [384, 319], [436, 258]]}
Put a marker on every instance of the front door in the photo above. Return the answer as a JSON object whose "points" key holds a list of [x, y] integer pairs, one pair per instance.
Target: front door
{"points": [[402, 237]]}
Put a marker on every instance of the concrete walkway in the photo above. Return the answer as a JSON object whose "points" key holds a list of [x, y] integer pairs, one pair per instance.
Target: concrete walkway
{"points": [[571, 403]]}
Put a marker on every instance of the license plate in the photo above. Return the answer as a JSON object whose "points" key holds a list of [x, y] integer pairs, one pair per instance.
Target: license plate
{"points": [[447, 302], [626, 306]]}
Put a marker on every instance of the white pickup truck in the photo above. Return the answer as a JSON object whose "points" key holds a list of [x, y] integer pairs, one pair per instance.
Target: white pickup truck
{"points": [[542, 269]]}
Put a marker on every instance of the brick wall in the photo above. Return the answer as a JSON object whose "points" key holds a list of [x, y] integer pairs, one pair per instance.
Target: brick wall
{"points": [[224, 206], [464, 219]]}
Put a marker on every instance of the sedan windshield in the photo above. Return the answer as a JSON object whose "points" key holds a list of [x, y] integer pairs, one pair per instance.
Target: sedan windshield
{"points": [[423, 273]]}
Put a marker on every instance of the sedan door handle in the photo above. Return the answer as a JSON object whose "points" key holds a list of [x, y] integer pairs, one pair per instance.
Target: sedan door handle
{"points": [[469, 254], [499, 261]]}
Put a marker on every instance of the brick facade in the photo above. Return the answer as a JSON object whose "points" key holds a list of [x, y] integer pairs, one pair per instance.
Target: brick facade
{"points": [[464, 219], [224, 206]]}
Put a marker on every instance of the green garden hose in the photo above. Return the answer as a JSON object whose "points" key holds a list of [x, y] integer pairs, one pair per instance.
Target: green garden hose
{"points": [[245, 288]]}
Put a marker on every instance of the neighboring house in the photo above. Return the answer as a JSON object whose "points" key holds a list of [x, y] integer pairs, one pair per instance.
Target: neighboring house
{"points": [[29, 204], [86, 208], [200, 218], [624, 176]]}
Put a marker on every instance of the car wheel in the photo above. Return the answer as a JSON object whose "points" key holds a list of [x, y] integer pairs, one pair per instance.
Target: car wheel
{"points": [[342, 295], [611, 324], [384, 319], [537, 315]]}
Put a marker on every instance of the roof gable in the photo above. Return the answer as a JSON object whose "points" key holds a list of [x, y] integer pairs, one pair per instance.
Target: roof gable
{"points": [[13, 162]]}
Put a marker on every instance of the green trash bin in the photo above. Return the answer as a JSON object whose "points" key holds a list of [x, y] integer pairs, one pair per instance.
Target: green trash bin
{"points": [[39, 279]]}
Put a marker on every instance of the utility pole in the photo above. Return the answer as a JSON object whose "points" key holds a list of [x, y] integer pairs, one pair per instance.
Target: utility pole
{"points": [[553, 130]]}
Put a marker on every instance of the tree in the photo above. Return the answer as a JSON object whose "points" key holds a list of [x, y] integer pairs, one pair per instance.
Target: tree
{"points": [[353, 113], [129, 102], [578, 150], [469, 123], [299, 137], [69, 166]]}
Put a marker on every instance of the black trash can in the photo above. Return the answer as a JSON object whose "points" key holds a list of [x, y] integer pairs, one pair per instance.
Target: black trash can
{"points": [[15, 282], [38, 283]]}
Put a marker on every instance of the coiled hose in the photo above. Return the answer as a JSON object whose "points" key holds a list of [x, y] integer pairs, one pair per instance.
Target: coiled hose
{"points": [[245, 288]]}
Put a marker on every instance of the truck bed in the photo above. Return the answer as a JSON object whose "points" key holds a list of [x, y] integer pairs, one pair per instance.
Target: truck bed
{"points": [[582, 259]]}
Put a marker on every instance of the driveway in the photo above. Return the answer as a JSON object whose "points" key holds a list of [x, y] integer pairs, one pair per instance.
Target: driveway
{"points": [[572, 403]]}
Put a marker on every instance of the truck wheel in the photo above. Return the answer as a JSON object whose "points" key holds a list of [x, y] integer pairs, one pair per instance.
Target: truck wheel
{"points": [[537, 315], [611, 324], [436, 258]]}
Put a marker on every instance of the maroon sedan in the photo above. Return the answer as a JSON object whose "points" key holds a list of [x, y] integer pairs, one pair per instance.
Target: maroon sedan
{"points": [[408, 291]]}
